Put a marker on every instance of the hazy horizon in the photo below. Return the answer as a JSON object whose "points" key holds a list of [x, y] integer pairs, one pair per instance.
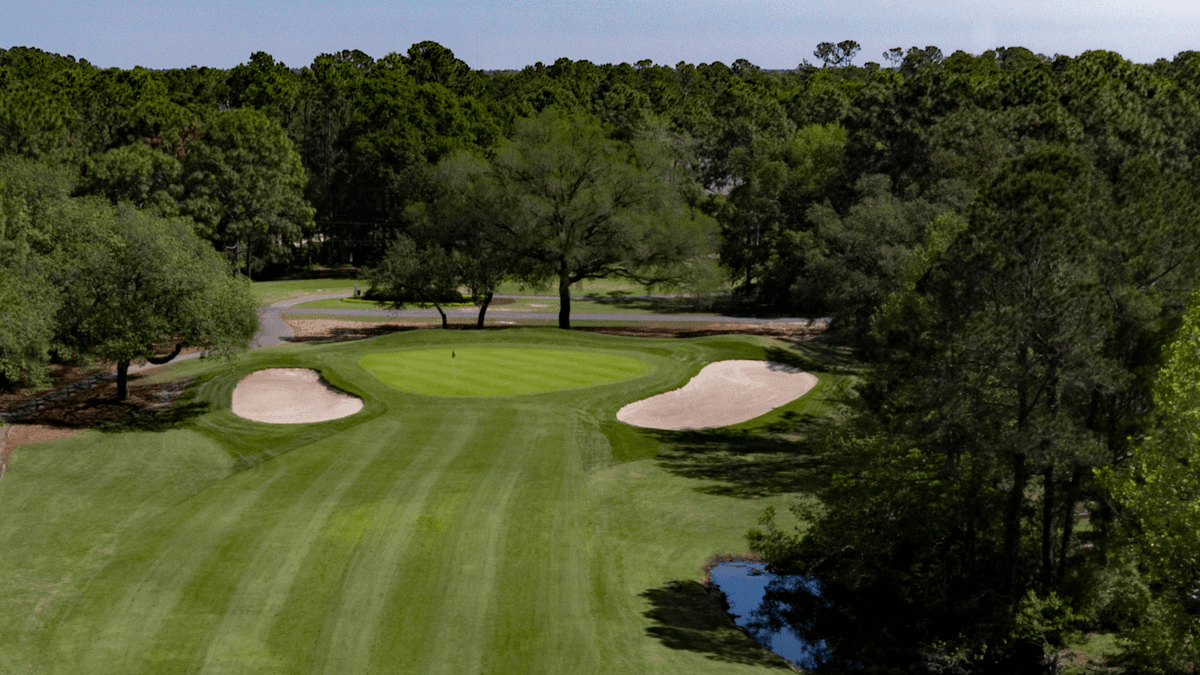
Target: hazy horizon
{"points": [[491, 35]]}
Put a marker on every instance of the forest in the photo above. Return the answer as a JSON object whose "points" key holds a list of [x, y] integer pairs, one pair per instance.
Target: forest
{"points": [[1008, 242]]}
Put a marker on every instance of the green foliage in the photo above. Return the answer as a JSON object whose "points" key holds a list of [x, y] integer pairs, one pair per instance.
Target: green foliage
{"points": [[408, 269], [1159, 489], [243, 185], [566, 203], [138, 174], [130, 281]]}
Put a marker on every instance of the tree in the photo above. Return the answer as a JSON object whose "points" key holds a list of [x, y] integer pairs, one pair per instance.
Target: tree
{"points": [[137, 174], [244, 187], [459, 217], [133, 284], [1159, 490], [408, 270], [574, 205], [836, 56], [27, 302], [266, 86], [1000, 377]]}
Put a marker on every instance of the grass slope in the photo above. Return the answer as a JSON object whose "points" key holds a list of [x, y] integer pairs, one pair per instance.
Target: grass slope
{"points": [[425, 535]]}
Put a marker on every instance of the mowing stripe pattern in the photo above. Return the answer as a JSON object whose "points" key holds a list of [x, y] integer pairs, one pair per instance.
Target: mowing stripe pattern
{"points": [[486, 371]]}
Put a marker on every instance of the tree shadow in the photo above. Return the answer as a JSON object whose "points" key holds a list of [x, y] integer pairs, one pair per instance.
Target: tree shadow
{"points": [[812, 355], [691, 617], [157, 420], [746, 464]]}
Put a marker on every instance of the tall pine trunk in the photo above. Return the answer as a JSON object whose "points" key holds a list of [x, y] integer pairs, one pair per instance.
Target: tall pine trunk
{"points": [[1012, 525], [1047, 527], [1068, 527]]}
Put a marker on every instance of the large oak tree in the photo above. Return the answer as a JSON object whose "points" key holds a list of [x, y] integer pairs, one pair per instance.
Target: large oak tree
{"points": [[570, 204], [133, 284]]}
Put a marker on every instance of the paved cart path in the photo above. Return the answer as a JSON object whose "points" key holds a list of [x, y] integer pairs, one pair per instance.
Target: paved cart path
{"points": [[276, 331]]}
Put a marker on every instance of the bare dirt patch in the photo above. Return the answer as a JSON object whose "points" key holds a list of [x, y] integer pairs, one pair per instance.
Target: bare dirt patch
{"points": [[330, 329], [721, 394]]}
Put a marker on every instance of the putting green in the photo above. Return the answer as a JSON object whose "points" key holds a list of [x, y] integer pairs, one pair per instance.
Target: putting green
{"points": [[485, 371]]}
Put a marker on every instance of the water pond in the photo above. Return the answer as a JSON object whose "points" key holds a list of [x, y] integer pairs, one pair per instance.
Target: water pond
{"points": [[745, 585]]}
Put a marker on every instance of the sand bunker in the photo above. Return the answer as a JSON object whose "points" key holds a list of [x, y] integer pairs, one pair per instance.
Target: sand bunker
{"points": [[291, 396], [723, 393]]}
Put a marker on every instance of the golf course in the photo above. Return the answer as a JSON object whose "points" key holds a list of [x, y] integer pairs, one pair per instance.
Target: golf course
{"points": [[484, 512]]}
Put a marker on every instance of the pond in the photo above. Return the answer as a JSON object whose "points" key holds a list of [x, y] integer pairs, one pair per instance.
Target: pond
{"points": [[745, 585]]}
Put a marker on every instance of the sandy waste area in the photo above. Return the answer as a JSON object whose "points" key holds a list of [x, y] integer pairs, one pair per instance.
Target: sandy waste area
{"points": [[291, 396], [721, 394]]}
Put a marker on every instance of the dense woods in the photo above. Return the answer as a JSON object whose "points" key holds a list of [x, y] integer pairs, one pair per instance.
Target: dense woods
{"points": [[1008, 241]]}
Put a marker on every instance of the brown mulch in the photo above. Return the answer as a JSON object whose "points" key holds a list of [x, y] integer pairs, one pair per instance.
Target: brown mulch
{"points": [[85, 409], [61, 375], [99, 405]]}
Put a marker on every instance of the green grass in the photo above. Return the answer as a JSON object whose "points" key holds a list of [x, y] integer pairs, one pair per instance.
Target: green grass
{"points": [[273, 291], [484, 371], [423, 535], [534, 305]]}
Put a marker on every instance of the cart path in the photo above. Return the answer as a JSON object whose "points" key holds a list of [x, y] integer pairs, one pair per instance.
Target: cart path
{"points": [[275, 331]]}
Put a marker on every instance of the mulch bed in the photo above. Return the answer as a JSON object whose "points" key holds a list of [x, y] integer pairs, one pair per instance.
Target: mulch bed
{"points": [[91, 406]]}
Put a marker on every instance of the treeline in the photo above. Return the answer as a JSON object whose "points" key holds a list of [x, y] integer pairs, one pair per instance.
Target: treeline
{"points": [[1008, 240]]}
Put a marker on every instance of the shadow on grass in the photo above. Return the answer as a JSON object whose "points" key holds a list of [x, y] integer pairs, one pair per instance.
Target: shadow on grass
{"points": [[745, 464], [177, 416], [812, 355], [691, 617], [657, 304]]}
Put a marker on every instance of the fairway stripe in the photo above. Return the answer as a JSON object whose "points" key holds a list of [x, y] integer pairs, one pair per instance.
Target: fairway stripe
{"points": [[346, 641], [154, 596], [465, 593], [546, 624], [268, 577]]}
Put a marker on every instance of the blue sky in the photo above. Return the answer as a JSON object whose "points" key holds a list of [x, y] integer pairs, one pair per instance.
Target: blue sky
{"points": [[492, 34]]}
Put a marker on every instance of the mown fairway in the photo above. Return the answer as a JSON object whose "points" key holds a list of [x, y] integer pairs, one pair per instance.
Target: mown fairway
{"points": [[427, 534]]}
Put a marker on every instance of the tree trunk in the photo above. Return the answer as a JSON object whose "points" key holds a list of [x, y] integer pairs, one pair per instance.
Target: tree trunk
{"points": [[1012, 535], [564, 301], [123, 380], [1047, 527], [1068, 521], [487, 300], [445, 325]]}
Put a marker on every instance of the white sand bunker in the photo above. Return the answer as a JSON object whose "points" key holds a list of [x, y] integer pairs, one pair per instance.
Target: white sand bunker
{"points": [[722, 393], [291, 396]]}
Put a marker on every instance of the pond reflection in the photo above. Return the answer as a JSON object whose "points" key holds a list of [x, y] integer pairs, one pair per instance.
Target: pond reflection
{"points": [[745, 585]]}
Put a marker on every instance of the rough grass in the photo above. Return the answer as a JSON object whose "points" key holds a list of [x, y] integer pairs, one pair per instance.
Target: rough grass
{"points": [[488, 371], [424, 535]]}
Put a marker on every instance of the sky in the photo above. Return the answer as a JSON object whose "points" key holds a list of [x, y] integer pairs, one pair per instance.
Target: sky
{"points": [[512, 34]]}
